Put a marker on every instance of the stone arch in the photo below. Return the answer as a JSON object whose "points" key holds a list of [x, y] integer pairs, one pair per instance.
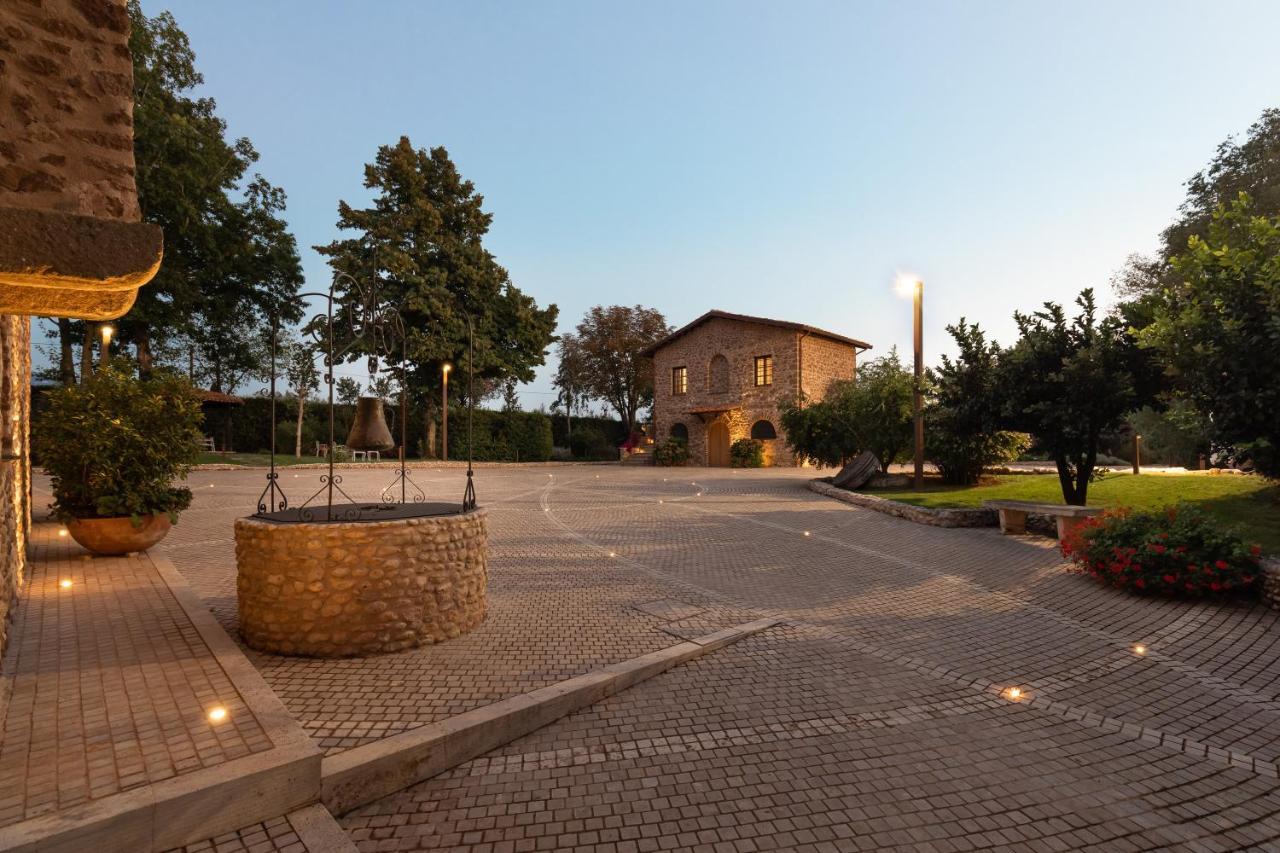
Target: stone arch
{"points": [[680, 431], [718, 374], [763, 431]]}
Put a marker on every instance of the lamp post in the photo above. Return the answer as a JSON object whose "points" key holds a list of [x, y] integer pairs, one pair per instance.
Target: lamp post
{"points": [[105, 354], [444, 405], [914, 287]]}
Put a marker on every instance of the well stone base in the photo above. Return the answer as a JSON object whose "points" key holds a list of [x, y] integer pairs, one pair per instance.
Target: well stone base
{"points": [[335, 590]]}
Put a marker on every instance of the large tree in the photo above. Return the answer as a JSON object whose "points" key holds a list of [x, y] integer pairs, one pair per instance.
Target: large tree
{"points": [[229, 258], [1068, 381], [604, 359], [1216, 328], [422, 238]]}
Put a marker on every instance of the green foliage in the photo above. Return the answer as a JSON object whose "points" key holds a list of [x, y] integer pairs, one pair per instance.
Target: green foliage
{"points": [[229, 259], [613, 430], [590, 442], [962, 421], [746, 453], [1217, 330], [422, 236], [603, 360], [1174, 435], [672, 452], [501, 436], [347, 391], [1178, 551], [113, 445], [873, 412], [1066, 382]]}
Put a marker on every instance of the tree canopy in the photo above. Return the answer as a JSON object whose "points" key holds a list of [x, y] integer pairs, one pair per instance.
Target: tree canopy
{"points": [[603, 359]]}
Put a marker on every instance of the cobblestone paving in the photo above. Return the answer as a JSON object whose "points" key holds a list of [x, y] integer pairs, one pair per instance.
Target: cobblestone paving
{"points": [[879, 717], [558, 607], [108, 685]]}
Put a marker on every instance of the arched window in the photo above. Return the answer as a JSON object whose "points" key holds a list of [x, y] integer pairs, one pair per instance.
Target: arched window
{"points": [[680, 431], [718, 375], [763, 430]]}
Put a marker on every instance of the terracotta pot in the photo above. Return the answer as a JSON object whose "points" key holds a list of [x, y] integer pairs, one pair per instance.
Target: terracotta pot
{"points": [[113, 536]]}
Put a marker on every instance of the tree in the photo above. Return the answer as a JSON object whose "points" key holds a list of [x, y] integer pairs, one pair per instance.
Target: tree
{"points": [[422, 238], [347, 391], [304, 379], [604, 360], [963, 414], [874, 412], [1216, 328], [510, 400], [1066, 382], [228, 262]]}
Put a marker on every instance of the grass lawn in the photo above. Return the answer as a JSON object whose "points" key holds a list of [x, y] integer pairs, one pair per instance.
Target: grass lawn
{"points": [[1249, 504], [282, 459]]}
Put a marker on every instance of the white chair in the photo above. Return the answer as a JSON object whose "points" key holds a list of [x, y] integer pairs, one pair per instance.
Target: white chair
{"points": [[206, 443]]}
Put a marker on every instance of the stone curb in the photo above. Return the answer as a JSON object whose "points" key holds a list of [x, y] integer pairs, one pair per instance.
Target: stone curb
{"points": [[367, 773], [204, 803], [319, 832], [918, 514]]}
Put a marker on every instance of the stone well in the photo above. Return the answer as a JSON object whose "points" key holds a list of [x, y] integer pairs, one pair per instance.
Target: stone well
{"points": [[355, 588]]}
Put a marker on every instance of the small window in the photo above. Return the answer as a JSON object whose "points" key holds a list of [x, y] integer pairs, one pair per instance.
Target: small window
{"points": [[764, 370], [679, 380], [680, 431], [763, 431]]}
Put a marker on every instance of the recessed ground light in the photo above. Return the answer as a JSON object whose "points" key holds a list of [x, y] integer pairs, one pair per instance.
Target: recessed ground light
{"points": [[62, 531], [218, 714], [611, 554], [65, 583], [806, 533], [1015, 694], [1139, 649]]}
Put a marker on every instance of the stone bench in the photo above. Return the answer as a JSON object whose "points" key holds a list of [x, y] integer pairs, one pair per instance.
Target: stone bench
{"points": [[1013, 515]]}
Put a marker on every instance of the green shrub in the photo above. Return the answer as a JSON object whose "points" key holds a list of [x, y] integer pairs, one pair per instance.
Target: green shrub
{"points": [[614, 431], [507, 436], [589, 442], [114, 445], [746, 453], [1178, 551], [673, 451]]}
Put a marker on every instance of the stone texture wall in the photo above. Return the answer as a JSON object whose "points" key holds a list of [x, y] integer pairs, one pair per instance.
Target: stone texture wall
{"points": [[335, 590], [15, 462], [66, 108], [739, 343]]}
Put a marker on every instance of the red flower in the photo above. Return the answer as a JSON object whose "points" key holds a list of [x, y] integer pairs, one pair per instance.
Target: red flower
{"points": [[1139, 583], [1159, 549], [1255, 549], [1247, 579], [1215, 586], [1222, 564], [1170, 578]]}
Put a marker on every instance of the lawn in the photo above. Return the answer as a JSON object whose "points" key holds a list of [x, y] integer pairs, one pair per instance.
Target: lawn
{"points": [[1249, 504]]}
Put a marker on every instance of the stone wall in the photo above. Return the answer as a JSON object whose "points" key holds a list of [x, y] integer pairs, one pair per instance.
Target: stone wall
{"points": [[335, 590], [739, 342], [66, 108], [15, 464]]}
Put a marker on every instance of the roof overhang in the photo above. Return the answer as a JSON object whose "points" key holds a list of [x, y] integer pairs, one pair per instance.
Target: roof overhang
{"points": [[58, 264], [760, 321]]}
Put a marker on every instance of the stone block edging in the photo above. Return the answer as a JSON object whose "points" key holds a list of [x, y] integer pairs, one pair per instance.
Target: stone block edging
{"points": [[1270, 589], [367, 773], [918, 514], [203, 803]]}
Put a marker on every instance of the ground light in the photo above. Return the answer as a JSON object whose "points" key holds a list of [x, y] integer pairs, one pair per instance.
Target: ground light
{"points": [[217, 714], [1139, 649], [62, 531], [65, 583], [806, 533], [1014, 694]]}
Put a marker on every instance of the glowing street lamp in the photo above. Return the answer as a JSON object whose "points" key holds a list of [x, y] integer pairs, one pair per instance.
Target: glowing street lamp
{"points": [[910, 286], [105, 353], [444, 404]]}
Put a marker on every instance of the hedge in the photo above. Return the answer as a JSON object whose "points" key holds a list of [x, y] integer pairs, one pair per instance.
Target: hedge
{"points": [[501, 436], [613, 430]]}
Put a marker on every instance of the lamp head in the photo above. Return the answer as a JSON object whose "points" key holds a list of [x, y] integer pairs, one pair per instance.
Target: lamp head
{"points": [[445, 368], [107, 332], [907, 285]]}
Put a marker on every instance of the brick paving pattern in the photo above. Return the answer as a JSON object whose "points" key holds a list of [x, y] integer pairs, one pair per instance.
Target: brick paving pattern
{"points": [[876, 719], [108, 685]]}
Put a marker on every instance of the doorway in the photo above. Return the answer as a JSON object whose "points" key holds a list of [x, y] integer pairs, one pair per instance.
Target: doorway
{"points": [[718, 445]]}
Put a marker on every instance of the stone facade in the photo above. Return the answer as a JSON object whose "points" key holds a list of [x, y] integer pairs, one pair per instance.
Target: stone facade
{"points": [[71, 244], [335, 590], [718, 352]]}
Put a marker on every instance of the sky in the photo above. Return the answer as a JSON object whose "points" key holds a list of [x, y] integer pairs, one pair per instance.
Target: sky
{"points": [[779, 159]]}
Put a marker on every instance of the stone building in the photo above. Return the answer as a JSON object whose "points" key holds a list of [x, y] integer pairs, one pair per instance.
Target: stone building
{"points": [[726, 376], [71, 243]]}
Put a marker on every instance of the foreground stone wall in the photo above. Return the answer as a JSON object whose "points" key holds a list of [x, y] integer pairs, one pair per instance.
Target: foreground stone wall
{"points": [[334, 590], [15, 464]]}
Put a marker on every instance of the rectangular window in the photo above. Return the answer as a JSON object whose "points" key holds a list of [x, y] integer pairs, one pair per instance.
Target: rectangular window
{"points": [[679, 380], [764, 370]]}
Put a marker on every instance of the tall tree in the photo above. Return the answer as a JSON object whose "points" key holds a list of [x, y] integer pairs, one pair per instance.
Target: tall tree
{"points": [[229, 258], [603, 360], [1217, 329], [1068, 381], [422, 238], [304, 380]]}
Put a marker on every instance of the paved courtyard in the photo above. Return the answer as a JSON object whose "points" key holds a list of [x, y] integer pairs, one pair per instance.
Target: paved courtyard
{"points": [[876, 718]]}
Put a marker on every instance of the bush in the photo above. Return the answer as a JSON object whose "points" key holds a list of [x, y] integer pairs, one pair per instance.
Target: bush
{"points": [[1179, 551], [506, 436], [588, 442], [614, 431], [673, 451], [746, 453], [113, 445]]}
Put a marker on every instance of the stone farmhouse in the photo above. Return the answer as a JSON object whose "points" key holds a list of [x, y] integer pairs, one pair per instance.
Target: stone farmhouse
{"points": [[726, 376]]}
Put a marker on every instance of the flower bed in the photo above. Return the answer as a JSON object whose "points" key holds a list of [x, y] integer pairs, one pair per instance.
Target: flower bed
{"points": [[1178, 551]]}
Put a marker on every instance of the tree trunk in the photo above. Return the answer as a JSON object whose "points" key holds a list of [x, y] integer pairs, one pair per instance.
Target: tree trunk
{"points": [[428, 430], [146, 359], [86, 351], [66, 359], [302, 410]]}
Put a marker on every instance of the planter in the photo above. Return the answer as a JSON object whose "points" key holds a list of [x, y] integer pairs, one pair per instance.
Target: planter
{"points": [[115, 536]]}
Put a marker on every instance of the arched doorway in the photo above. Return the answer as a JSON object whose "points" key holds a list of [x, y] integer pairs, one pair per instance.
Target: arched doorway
{"points": [[718, 444]]}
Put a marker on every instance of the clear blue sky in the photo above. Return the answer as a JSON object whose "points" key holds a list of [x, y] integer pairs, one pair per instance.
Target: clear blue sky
{"points": [[783, 159]]}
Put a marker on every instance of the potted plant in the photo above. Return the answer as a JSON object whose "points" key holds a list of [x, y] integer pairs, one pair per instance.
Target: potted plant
{"points": [[113, 446]]}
